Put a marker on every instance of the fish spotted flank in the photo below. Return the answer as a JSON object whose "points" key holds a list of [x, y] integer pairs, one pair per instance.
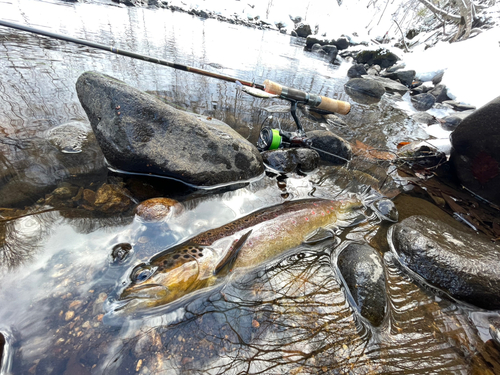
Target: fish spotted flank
{"points": [[245, 242]]}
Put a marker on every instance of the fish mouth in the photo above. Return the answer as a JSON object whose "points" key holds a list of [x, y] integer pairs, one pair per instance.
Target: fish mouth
{"points": [[150, 291]]}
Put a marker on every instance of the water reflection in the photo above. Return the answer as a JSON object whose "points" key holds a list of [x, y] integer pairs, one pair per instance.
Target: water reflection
{"points": [[21, 238], [289, 317]]}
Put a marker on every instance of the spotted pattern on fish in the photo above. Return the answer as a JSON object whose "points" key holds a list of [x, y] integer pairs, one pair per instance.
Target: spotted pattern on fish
{"points": [[210, 236], [193, 265]]}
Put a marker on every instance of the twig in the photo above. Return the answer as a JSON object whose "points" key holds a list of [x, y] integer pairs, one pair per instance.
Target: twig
{"points": [[383, 12], [402, 35]]}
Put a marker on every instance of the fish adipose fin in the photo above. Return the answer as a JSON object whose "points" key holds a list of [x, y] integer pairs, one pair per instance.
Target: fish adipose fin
{"points": [[319, 235], [227, 262]]}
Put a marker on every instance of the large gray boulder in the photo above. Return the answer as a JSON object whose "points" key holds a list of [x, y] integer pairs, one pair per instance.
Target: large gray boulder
{"points": [[459, 262], [475, 153], [139, 133]]}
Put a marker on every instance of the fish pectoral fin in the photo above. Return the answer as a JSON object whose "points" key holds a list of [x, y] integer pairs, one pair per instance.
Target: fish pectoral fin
{"points": [[318, 235], [227, 262]]}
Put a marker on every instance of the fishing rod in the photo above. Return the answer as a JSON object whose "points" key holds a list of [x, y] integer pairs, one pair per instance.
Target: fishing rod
{"points": [[269, 87], [268, 90]]}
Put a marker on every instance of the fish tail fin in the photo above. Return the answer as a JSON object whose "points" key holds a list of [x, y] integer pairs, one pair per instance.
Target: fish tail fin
{"points": [[381, 206]]}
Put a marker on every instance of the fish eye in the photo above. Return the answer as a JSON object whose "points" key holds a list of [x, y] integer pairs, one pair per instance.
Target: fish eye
{"points": [[141, 273]]}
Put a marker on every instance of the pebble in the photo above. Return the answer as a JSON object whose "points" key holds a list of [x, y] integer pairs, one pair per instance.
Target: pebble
{"points": [[69, 315]]}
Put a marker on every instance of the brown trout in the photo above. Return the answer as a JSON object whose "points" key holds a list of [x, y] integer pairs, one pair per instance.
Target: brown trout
{"points": [[246, 242]]}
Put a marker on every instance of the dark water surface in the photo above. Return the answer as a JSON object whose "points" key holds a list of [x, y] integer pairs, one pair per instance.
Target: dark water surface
{"points": [[57, 275]]}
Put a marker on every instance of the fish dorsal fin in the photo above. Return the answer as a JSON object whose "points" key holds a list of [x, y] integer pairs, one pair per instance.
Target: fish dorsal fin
{"points": [[228, 261], [318, 235]]}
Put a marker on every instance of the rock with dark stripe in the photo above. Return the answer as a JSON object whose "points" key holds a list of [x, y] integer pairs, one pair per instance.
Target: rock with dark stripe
{"points": [[139, 133], [460, 262]]}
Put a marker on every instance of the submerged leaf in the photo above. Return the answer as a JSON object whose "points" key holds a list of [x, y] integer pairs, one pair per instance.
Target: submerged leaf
{"points": [[361, 149]]}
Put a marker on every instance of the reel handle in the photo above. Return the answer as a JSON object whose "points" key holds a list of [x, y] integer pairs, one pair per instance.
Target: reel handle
{"points": [[313, 100]]}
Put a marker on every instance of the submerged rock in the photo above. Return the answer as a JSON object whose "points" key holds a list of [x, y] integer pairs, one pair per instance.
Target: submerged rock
{"points": [[112, 198], [459, 262], [43, 165], [292, 159], [139, 133], [475, 153], [363, 275], [69, 137], [156, 209]]}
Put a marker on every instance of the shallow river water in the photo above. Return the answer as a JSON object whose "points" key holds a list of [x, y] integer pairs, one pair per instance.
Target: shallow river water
{"points": [[58, 277]]}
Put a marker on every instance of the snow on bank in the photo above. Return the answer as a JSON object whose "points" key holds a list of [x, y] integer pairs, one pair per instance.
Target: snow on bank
{"points": [[470, 66]]}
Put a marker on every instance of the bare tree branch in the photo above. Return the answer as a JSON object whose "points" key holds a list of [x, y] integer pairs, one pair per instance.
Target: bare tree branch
{"points": [[443, 13]]}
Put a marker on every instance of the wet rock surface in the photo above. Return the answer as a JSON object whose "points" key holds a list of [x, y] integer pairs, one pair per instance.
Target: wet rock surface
{"points": [[356, 71], [475, 153], [364, 91], [337, 150], [139, 133], [156, 209], [423, 102], [363, 275], [404, 76], [450, 123], [22, 182], [459, 262], [440, 93], [389, 84], [292, 159]]}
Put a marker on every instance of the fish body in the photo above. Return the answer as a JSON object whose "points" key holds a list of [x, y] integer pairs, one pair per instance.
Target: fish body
{"points": [[253, 239]]}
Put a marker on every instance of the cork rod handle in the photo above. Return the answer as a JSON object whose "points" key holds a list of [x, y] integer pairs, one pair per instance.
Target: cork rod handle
{"points": [[317, 101]]}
